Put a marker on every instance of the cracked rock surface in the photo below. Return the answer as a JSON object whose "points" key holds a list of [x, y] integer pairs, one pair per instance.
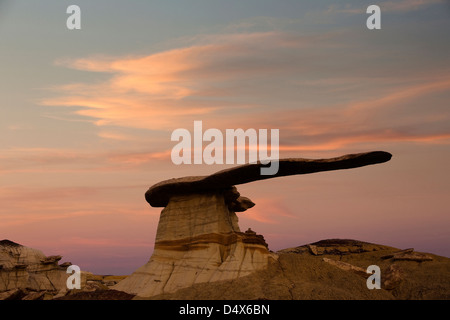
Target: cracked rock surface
{"points": [[198, 240], [28, 270], [299, 274]]}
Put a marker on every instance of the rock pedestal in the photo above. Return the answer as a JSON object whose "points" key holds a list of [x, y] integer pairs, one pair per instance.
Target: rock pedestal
{"points": [[198, 240], [198, 237]]}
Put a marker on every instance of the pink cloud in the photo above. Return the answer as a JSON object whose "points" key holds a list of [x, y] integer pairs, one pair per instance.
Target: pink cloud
{"points": [[163, 90], [54, 160], [217, 79], [107, 242]]}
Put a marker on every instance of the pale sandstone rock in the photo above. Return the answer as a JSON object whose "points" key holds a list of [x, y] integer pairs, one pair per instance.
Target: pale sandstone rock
{"points": [[346, 266], [336, 247], [13, 254], [313, 249], [408, 255], [413, 256], [25, 268], [297, 250], [401, 252], [198, 240], [110, 281]]}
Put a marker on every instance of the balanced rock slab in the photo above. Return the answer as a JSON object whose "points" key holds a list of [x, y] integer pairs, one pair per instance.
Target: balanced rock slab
{"points": [[198, 238]]}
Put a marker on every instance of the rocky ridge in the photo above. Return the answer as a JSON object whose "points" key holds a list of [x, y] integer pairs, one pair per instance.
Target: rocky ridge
{"points": [[337, 270], [27, 274], [29, 270]]}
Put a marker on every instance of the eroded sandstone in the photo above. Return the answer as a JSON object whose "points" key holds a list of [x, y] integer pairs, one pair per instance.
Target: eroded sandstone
{"points": [[28, 269], [198, 240]]}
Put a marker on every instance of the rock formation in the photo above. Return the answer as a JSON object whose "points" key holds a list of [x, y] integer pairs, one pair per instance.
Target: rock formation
{"points": [[28, 271], [160, 194], [346, 266], [198, 238], [331, 270], [336, 273], [27, 274], [409, 254]]}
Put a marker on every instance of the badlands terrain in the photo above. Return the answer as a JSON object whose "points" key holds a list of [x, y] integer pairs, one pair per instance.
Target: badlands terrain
{"points": [[328, 269]]}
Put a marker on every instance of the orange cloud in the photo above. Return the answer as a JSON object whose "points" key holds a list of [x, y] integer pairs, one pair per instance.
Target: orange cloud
{"points": [[163, 90], [22, 206], [228, 80], [53, 160], [139, 158], [403, 95]]}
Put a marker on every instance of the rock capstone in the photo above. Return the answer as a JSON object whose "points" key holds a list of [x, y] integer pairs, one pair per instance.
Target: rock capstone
{"points": [[198, 237]]}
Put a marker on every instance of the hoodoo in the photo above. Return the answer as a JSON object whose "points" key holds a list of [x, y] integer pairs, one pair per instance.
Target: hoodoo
{"points": [[198, 237]]}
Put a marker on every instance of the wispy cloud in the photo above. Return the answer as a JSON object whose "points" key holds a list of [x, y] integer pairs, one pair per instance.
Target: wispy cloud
{"points": [[163, 90], [22, 206], [56, 160], [402, 115], [263, 80]]}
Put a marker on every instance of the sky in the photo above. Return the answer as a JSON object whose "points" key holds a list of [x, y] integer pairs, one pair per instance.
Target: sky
{"points": [[87, 116]]}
